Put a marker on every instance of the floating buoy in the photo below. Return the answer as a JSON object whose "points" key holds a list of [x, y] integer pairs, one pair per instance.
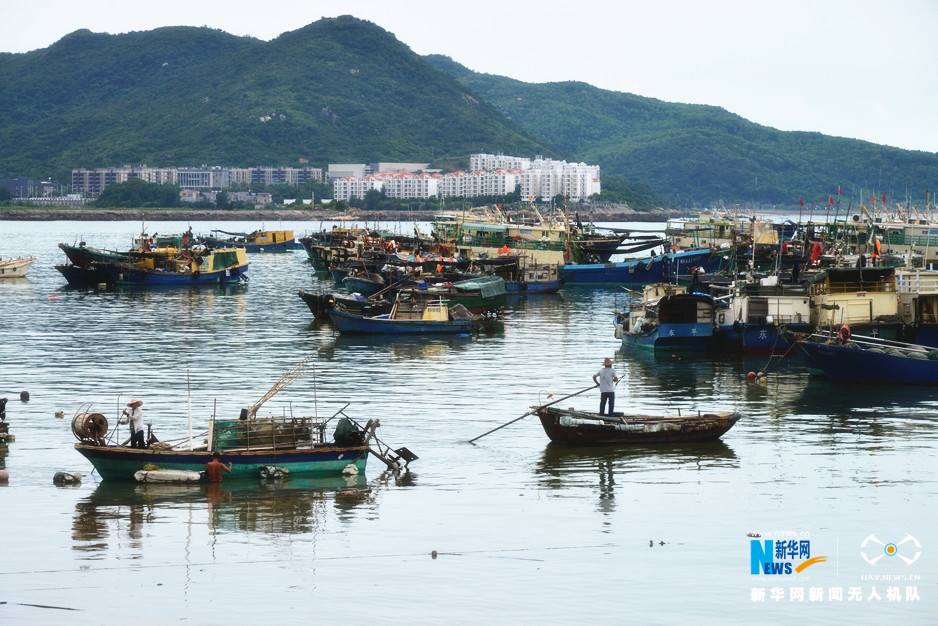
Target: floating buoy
{"points": [[60, 414], [63, 479], [24, 396], [52, 296], [4, 477], [751, 376]]}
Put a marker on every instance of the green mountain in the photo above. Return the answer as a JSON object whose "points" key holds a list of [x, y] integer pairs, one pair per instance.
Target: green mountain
{"points": [[344, 90], [338, 90], [695, 154]]}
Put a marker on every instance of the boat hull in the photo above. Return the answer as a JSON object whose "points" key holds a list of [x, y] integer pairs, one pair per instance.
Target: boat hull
{"points": [[580, 427], [680, 337], [660, 269], [121, 463], [15, 268], [351, 324], [125, 274], [518, 288], [855, 365]]}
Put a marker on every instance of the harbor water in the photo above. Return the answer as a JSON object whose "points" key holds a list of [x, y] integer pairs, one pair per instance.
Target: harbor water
{"points": [[508, 529]]}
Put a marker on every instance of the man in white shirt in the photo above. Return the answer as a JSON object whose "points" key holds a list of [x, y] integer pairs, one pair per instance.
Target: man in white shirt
{"points": [[606, 378]]}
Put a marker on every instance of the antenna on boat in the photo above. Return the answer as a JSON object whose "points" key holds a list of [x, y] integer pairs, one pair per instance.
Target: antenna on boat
{"points": [[298, 370], [189, 406]]}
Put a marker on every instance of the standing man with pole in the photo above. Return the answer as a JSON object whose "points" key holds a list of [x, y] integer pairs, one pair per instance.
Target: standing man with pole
{"points": [[606, 379]]}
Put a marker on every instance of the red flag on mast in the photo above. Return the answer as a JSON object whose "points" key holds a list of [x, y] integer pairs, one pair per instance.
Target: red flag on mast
{"points": [[830, 199], [884, 198], [838, 190], [801, 201]]}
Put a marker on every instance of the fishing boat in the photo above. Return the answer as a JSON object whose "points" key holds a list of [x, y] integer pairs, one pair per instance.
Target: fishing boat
{"points": [[522, 278], [15, 268], [669, 267], [668, 317], [257, 241], [320, 303], [755, 313], [255, 446], [864, 297], [410, 317], [189, 267], [479, 295], [867, 360], [582, 427], [365, 283]]}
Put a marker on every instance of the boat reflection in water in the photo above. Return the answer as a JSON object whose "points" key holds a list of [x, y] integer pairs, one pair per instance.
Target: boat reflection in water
{"points": [[603, 468], [117, 511]]}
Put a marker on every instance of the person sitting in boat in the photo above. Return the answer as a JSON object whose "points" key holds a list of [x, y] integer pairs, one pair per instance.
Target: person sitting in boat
{"points": [[214, 468], [843, 335], [133, 415], [606, 379]]}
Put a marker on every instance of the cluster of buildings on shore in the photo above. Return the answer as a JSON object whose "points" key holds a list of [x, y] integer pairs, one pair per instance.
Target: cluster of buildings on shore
{"points": [[488, 175]]}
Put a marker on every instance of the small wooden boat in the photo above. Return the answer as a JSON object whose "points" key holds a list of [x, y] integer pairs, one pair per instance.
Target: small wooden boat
{"points": [[582, 427], [15, 268], [251, 443], [407, 318], [867, 360]]}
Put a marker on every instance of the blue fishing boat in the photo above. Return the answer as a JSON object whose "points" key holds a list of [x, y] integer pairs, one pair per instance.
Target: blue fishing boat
{"points": [[667, 317], [189, 268], [411, 317], [867, 360], [665, 268]]}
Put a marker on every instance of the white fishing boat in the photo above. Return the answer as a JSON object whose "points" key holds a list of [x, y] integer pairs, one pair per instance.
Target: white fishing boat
{"points": [[15, 268]]}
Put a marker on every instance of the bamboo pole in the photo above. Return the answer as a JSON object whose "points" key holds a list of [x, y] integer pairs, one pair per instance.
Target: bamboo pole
{"points": [[531, 412]]}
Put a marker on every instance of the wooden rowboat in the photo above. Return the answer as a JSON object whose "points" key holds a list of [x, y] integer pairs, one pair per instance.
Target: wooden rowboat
{"points": [[582, 427]]}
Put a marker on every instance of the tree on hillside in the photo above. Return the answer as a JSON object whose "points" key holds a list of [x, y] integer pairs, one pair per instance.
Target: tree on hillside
{"points": [[138, 193]]}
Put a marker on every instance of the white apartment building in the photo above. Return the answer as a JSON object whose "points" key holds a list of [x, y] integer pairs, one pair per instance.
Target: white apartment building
{"points": [[498, 162], [494, 175]]}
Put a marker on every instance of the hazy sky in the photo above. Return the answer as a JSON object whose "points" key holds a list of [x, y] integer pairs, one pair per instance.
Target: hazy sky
{"points": [[865, 69]]}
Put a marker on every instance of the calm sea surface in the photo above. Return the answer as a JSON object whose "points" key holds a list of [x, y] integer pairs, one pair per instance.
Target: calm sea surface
{"points": [[524, 531]]}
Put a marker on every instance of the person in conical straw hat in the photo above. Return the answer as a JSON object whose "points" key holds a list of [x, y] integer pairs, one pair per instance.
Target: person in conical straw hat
{"points": [[606, 380], [133, 415]]}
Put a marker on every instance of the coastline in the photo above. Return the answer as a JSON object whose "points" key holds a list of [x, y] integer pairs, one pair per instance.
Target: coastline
{"points": [[45, 214]]}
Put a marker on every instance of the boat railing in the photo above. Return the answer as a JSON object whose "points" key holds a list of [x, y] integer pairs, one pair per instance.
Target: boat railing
{"points": [[914, 282], [868, 286], [267, 433], [866, 343]]}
